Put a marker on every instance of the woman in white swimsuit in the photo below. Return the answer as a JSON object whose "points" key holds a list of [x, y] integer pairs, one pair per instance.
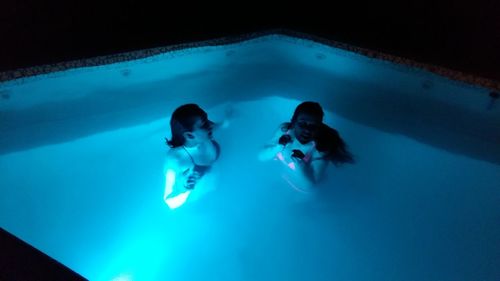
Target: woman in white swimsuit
{"points": [[305, 146]]}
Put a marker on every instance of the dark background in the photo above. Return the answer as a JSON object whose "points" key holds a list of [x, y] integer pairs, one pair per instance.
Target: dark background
{"points": [[456, 35]]}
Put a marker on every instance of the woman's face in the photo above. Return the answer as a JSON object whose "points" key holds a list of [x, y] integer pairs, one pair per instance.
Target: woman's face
{"points": [[202, 131], [306, 127]]}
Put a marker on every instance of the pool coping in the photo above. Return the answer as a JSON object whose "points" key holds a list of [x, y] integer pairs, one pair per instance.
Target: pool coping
{"points": [[140, 54]]}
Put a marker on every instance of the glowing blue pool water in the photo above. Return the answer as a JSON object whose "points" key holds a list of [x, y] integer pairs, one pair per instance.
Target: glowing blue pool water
{"points": [[82, 154]]}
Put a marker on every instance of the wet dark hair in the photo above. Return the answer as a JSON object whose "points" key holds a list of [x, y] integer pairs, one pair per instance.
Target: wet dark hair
{"points": [[327, 139], [307, 107], [183, 120], [310, 108], [329, 142]]}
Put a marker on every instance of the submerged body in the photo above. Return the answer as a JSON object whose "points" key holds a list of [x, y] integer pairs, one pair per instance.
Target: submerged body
{"points": [[185, 172], [303, 165]]}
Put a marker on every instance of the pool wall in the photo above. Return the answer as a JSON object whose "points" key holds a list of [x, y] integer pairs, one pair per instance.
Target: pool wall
{"points": [[141, 86]]}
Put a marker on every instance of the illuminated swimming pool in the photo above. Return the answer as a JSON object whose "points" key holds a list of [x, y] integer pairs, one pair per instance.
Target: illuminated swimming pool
{"points": [[82, 151]]}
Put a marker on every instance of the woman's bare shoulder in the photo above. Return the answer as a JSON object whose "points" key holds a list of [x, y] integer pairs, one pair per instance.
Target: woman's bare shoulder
{"points": [[176, 156], [175, 152]]}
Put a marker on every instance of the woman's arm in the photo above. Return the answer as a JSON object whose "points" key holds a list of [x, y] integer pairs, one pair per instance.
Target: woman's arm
{"points": [[275, 145], [319, 168], [226, 119], [173, 195], [314, 171], [269, 151]]}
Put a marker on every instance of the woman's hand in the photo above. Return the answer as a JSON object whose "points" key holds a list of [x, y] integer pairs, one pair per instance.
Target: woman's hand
{"points": [[298, 154], [285, 139], [191, 180], [229, 113]]}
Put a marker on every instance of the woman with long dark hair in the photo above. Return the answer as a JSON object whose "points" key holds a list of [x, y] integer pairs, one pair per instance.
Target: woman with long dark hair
{"points": [[306, 145]]}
